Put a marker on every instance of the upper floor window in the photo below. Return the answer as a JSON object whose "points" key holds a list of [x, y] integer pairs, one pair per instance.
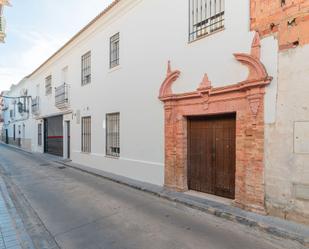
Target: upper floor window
{"points": [[205, 17], [48, 85], [114, 51], [86, 68]]}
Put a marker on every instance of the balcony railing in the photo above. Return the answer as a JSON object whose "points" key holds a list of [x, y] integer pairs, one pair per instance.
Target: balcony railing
{"points": [[62, 96], [2, 28], [4, 108], [35, 106]]}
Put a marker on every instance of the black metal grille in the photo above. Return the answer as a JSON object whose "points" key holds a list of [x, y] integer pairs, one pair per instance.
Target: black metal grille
{"points": [[86, 68], [35, 105], [62, 95], [48, 85], [2, 23], [114, 51], [86, 134], [113, 134], [205, 17], [39, 134]]}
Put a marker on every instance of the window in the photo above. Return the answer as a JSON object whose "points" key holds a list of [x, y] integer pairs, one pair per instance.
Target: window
{"points": [[205, 17], [114, 51], [113, 134], [86, 68], [39, 134], [64, 74], [86, 134], [48, 85]]}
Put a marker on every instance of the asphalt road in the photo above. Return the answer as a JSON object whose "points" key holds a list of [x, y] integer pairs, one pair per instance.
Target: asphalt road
{"points": [[66, 208]]}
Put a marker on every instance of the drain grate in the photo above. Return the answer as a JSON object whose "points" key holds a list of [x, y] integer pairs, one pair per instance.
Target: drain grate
{"points": [[44, 164]]}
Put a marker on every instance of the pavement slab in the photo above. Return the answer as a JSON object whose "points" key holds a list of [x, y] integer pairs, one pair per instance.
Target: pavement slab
{"points": [[12, 231]]}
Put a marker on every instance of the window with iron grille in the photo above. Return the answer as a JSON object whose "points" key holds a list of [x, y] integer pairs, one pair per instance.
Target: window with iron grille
{"points": [[113, 134], [86, 134], [114, 51], [86, 68], [48, 85], [39, 134], [205, 17]]}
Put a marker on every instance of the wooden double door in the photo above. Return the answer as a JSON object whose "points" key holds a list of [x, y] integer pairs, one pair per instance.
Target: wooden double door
{"points": [[212, 155]]}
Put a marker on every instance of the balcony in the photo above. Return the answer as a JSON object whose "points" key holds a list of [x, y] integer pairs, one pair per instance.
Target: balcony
{"points": [[2, 28], [62, 96], [4, 108], [35, 106]]}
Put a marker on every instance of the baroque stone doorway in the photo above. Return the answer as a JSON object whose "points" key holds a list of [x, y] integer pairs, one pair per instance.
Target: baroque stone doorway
{"points": [[246, 100]]}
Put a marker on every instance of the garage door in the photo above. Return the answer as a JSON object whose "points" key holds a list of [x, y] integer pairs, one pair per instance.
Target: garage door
{"points": [[53, 135]]}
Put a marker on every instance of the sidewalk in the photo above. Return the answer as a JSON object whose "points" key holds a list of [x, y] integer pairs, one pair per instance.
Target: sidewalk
{"points": [[12, 232]]}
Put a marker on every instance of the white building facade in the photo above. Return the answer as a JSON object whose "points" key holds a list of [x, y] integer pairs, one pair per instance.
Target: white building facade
{"points": [[2, 19], [96, 100]]}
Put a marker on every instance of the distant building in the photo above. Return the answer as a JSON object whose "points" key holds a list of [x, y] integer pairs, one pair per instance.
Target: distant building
{"points": [[3, 108], [2, 19]]}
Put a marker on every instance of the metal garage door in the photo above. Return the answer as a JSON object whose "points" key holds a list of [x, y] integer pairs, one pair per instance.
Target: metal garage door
{"points": [[53, 134]]}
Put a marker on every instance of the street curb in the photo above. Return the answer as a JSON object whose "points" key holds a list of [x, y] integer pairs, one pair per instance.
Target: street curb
{"points": [[268, 224]]}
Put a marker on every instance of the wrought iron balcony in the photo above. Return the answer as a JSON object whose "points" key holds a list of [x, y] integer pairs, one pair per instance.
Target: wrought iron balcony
{"points": [[62, 96], [2, 28], [4, 108], [35, 106]]}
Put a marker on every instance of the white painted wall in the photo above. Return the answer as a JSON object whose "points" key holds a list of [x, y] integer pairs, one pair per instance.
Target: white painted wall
{"points": [[151, 33], [286, 165]]}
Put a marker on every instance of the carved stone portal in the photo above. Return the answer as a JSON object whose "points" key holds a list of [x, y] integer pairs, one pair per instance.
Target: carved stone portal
{"points": [[246, 99]]}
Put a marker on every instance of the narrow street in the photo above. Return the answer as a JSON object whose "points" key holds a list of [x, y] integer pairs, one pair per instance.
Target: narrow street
{"points": [[66, 208]]}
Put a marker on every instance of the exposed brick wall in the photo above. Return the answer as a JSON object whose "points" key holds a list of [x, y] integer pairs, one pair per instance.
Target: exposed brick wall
{"points": [[287, 19]]}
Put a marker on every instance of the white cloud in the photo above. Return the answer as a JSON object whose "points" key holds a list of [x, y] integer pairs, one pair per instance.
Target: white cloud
{"points": [[37, 33], [41, 46]]}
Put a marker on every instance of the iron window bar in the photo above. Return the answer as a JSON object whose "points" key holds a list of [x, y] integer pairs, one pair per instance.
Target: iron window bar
{"points": [[86, 68], [114, 51], [40, 134], [205, 17], [86, 135], [48, 85], [62, 95], [113, 134], [2, 24], [35, 105]]}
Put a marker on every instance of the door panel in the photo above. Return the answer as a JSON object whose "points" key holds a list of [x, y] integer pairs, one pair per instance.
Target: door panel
{"points": [[211, 155], [53, 135]]}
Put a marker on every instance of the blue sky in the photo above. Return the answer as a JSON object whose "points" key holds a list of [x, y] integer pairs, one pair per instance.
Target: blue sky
{"points": [[36, 29]]}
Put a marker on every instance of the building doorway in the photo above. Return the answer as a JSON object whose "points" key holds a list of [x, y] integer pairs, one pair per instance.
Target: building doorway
{"points": [[6, 136], [212, 154], [53, 135], [67, 142]]}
